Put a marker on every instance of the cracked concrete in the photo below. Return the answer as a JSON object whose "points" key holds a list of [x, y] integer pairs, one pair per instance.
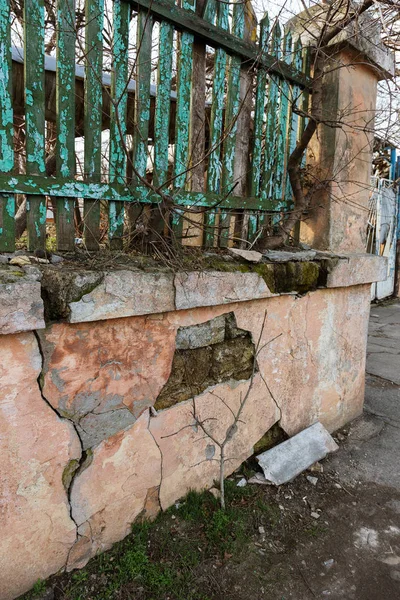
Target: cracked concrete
{"points": [[35, 448], [374, 441], [311, 367]]}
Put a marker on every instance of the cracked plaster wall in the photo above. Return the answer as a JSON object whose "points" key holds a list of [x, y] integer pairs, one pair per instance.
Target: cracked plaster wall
{"points": [[115, 369]]}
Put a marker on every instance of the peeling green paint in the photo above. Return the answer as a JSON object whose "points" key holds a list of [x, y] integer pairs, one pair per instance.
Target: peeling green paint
{"points": [[259, 113], [163, 101], [267, 185], [6, 111]]}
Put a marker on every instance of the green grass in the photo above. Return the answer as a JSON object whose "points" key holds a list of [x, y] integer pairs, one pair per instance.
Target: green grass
{"points": [[162, 559]]}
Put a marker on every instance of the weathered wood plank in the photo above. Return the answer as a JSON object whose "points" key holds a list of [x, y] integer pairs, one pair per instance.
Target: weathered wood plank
{"points": [[94, 10], [214, 36], [182, 126], [284, 108], [34, 117], [217, 111], [305, 105], [7, 202], [115, 192], [162, 123], [259, 113], [144, 27], [242, 162], [119, 95], [230, 125], [293, 129], [271, 122], [65, 92]]}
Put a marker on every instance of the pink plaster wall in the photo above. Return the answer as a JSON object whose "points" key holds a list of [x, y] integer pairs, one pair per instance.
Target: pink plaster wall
{"points": [[314, 369]]}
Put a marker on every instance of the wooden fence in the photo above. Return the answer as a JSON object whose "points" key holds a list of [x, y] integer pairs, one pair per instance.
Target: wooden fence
{"points": [[221, 104]]}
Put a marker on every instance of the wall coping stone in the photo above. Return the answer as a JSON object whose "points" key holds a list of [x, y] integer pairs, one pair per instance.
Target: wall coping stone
{"points": [[116, 293]]}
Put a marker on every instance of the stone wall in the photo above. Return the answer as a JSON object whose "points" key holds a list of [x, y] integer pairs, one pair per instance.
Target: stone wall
{"points": [[97, 419]]}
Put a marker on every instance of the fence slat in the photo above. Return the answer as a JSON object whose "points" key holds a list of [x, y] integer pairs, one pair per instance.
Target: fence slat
{"points": [[294, 117], [182, 125], [279, 180], [7, 201], [217, 111], [142, 96], [119, 96], [230, 126], [306, 65], [94, 10], [259, 112], [162, 121], [65, 91], [144, 25], [270, 127], [34, 117]]}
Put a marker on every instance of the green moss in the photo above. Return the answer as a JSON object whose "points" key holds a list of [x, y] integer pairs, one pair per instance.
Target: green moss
{"points": [[271, 438], [69, 473], [267, 272]]}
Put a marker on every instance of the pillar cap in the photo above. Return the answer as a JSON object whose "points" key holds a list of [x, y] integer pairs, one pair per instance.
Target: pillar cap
{"points": [[362, 36]]}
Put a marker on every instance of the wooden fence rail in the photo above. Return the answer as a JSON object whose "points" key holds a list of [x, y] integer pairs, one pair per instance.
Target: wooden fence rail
{"points": [[124, 101]]}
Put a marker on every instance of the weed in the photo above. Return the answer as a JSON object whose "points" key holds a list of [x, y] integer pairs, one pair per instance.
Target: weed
{"points": [[38, 588]]}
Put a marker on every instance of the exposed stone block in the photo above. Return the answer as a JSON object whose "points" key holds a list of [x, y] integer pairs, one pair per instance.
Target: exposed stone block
{"points": [[36, 447], [195, 369], [21, 305], [204, 334]]}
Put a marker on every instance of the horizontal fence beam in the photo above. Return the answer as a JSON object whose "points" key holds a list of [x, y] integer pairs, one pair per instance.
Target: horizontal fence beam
{"points": [[41, 185], [219, 38]]}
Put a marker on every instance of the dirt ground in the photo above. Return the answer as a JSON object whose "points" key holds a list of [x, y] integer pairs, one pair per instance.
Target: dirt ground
{"points": [[268, 545]]}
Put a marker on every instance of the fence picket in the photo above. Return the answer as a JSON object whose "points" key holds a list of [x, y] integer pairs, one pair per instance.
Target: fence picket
{"points": [[7, 201], [144, 26], [65, 91], [182, 123], [162, 121], [34, 117], [279, 180], [94, 10], [230, 126], [306, 64], [294, 117], [271, 124], [217, 111], [118, 117], [259, 113]]}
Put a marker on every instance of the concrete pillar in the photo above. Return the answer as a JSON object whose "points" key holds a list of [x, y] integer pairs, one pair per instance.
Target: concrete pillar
{"points": [[340, 155]]}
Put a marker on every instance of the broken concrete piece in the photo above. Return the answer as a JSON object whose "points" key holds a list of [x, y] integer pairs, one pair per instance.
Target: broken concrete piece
{"points": [[312, 480], [249, 255], [20, 261], [287, 460], [259, 479], [282, 256], [204, 334], [241, 483], [21, 304]]}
